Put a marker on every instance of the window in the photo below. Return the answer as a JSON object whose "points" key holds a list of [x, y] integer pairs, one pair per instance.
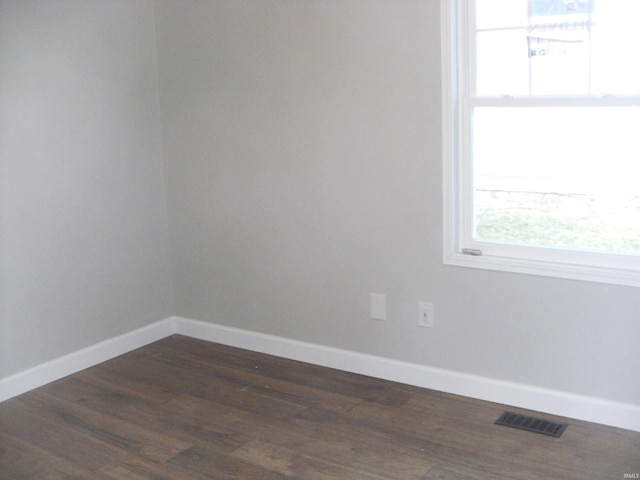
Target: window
{"points": [[542, 137]]}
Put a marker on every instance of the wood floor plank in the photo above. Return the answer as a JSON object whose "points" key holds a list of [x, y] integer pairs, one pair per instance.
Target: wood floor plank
{"points": [[23, 460], [20, 460], [357, 386], [187, 409], [583, 447], [121, 434], [254, 379], [123, 376], [398, 449], [323, 443], [140, 469], [296, 465], [509, 450], [26, 424], [192, 379], [159, 418], [221, 467]]}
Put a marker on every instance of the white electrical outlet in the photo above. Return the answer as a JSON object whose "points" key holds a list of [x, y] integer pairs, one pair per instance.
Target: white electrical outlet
{"points": [[425, 314], [378, 306]]}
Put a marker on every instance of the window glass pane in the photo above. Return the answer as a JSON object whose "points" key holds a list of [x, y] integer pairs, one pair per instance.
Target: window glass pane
{"points": [[615, 43], [501, 13], [557, 47], [558, 177], [502, 63]]}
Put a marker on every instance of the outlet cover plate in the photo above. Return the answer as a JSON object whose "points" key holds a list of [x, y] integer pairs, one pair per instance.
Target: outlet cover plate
{"points": [[425, 314], [378, 305]]}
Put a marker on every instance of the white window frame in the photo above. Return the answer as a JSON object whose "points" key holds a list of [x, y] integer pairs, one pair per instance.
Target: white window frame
{"points": [[459, 248]]}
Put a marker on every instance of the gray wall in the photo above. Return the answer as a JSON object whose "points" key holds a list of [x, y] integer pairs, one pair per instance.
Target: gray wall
{"points": [[84, 233], [303, 153], [303, 170]]}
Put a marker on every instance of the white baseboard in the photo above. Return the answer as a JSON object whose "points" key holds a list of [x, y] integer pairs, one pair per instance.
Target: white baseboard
{"points": [[554, 402], [40, 375]]}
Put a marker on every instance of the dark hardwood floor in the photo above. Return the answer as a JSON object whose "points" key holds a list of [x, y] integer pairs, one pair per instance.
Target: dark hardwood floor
{"points": [[187, 409]]}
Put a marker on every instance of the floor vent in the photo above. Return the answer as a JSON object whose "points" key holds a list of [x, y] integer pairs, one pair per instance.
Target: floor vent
{"points": [[531, 424]]}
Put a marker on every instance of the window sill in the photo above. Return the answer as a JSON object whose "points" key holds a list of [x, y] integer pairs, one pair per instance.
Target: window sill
{"points": [[589, 273]]}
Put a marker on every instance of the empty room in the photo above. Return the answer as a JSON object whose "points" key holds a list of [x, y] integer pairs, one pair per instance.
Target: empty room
{"points": [[319, 239]]}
